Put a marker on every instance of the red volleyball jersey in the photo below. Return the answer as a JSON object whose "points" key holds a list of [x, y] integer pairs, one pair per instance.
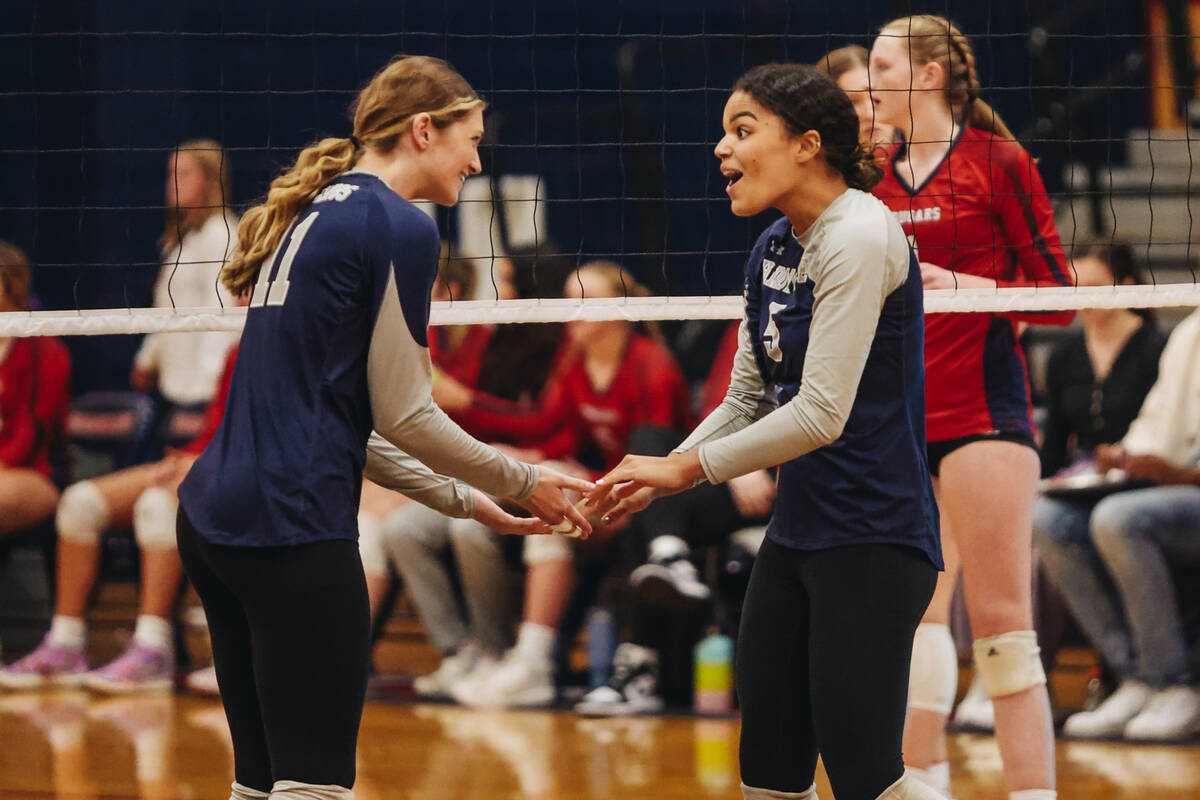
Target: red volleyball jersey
{"points": [[215, 410], [984, 211], [648, 389], [34, 402]]}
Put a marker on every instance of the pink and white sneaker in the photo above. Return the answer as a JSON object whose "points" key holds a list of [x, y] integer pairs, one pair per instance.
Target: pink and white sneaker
{"points": [[138, 669], [47, 665]]}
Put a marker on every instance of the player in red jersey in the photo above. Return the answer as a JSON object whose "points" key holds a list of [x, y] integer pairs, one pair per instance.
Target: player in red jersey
{"points": [[34, 400], [975, 209]]}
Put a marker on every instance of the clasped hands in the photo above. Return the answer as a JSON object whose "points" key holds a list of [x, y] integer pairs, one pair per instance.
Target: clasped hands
{"points": [[637, 481]]}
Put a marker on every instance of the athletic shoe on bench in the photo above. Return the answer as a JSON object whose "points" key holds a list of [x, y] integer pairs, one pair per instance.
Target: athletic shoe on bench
{"points": [[669, 580], [139, 669], [47, 665], [453, 668], [1110, 717], [632, 689]]}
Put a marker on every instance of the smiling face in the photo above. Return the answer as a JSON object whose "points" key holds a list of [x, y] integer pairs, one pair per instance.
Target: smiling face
{"points": [[758, 155], [453, 156]]}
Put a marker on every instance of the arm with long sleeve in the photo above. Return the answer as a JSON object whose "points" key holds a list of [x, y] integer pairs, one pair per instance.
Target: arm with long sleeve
{"points": [[849, 292], [392, 468], [1023, 209], [398, 379], [495, 416]]}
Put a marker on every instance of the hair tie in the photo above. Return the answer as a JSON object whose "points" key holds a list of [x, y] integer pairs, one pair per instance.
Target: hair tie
{"points": [[355, 141]]}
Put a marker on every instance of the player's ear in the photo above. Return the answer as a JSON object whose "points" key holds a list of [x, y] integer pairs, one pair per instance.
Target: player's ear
{"points": [[929, 75], [422, 130], [806, 146]]}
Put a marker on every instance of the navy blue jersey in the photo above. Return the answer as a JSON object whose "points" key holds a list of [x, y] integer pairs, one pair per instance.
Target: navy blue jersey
{"points": [[834, 330], [334, 344]]}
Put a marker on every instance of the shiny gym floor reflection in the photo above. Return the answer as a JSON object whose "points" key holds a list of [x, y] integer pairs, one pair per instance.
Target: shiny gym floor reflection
{"points": [[74, 746]]}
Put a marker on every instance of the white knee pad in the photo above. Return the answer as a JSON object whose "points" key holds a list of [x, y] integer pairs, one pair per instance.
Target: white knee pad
{"points": [[370, 545], [1009, 662], [294, 790], [754, 793], [239, 792], [546, 547], [82, 513], [933, 678], [154, 518], [910, 788]]}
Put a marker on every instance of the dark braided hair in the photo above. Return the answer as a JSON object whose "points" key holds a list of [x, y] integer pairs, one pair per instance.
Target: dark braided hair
{"points": [[807, 100]]}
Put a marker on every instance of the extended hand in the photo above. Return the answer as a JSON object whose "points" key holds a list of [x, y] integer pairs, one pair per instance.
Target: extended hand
{"points": [[500, 521], [550, 503], [665, 475]]}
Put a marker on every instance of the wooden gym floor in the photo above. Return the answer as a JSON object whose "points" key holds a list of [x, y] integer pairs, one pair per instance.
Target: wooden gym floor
{"points": [[70, 745]]}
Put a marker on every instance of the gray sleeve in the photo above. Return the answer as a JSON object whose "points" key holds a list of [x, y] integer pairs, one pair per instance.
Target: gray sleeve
{"points": [[852, 279], [745, 401], [392, 468], [399, 380]]}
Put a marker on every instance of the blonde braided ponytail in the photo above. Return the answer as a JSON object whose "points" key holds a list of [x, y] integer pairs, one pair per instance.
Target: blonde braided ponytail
{"points": [[383, 111]]}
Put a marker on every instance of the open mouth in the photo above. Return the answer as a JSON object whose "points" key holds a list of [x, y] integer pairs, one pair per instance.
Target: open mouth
{"points": [[733, 175]]}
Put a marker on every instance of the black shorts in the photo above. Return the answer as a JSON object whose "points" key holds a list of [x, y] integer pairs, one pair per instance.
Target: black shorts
{"points": [[936, 451]]}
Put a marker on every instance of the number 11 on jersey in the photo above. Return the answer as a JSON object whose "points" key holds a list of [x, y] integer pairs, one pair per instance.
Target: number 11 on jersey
{"points": [[270, 291]]}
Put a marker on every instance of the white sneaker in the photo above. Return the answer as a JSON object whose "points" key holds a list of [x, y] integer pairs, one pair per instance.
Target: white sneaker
{"points": [[1111, 717], [203, 681], [515, 683], [1172, 713], [669, 579], [453, 668], [632, 689], [975, 712]]}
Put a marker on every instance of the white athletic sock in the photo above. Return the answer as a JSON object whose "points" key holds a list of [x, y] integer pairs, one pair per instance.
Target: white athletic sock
{"points": [[535, 643], [239, 792], [294, 790], [153, 632], [935, 775], [1034, 794], [68, 632], [755, 793]]}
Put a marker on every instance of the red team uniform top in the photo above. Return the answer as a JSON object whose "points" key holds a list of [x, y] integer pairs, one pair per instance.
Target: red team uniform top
{"points": [[648, 389], [34, 402], [215, 409], [984, 212]]}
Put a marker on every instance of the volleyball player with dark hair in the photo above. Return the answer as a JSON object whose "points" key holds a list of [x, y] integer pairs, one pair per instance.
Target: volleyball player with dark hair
{"points": [[973, 204], [833, 325], [341, 264]]}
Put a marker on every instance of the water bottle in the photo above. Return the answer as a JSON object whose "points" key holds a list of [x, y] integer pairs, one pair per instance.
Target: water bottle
{"points": [[601, 645], [713, 677]]}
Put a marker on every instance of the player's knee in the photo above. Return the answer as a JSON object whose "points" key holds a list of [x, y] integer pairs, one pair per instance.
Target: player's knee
{"points": [[239, 792], [550, 547], [82, 513], [295, 790], [755, 793], [154, 518], [933, 679], [1009, 662], [370, 545]]}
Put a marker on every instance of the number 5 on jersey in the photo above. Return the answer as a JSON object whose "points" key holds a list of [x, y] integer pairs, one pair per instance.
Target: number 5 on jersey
{"points": [[770, 335], [270, 291]]}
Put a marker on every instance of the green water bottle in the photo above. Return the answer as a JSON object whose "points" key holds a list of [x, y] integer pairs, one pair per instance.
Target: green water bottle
{"points": [[712, 683]]}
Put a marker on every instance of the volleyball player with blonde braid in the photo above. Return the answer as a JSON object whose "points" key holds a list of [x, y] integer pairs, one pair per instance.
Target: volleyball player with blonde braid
{"points": [[974, 206], [341, 264]]}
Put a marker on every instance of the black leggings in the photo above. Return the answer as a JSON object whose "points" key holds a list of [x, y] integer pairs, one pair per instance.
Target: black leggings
{"points": [[290, 631], [822, 665]]}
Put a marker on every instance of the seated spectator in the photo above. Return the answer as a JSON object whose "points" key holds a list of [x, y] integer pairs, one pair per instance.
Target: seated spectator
{"points": [[1112, 559], [667, 588], [180, 371], [1096, 381], [615, 382], [142, 497], [34, 401]]}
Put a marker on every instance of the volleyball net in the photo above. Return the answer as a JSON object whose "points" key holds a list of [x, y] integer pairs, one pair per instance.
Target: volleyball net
{"points": [[600, 132]]}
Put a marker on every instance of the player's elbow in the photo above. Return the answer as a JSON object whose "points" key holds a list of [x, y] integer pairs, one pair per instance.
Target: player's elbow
{"points": [[821, 421]]}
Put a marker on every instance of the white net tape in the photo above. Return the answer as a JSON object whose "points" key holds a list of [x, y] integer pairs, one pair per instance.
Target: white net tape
{"points": [[463, 312]]}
